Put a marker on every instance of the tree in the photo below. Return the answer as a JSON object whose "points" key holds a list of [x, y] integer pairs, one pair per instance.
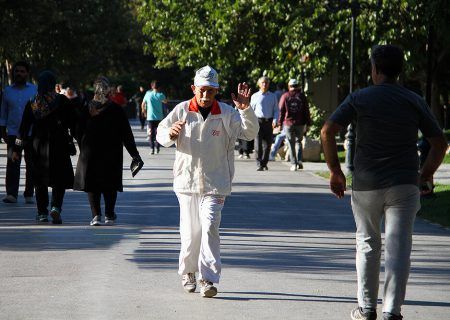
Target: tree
{"points": [[282, 39]]}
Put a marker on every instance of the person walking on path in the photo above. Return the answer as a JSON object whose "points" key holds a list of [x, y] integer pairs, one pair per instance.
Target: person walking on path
{"points": [[295, 117], [204, 131], [386, 177], [138, 97], [103, 130], [14, 100], [152, 107], [265, 105], [49, 116]]}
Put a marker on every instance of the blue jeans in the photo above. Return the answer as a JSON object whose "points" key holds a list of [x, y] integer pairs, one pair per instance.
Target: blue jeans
{"points": [[278, 140], [294, 135]]}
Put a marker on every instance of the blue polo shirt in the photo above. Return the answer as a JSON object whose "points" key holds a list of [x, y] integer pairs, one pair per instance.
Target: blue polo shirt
{"points": [[265, 105], [14, 100]]}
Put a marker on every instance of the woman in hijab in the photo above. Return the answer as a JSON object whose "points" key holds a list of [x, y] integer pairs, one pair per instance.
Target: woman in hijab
{"points": [[103, 131], [49, 116]]}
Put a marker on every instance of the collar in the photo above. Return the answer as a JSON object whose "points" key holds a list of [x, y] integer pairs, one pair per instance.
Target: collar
{"points": [[193, 106], [27, 84]]}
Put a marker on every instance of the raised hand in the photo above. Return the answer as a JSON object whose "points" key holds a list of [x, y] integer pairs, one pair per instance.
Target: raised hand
{"points": [[242, 100]]}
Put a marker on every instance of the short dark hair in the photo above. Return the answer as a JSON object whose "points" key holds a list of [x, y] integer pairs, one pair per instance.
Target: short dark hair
{"points": [[387, 59], [155, 84], [21, 64]]}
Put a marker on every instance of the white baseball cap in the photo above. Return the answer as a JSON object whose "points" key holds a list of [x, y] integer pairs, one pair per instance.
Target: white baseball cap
{"points": [[206, 76], [293, 82]]}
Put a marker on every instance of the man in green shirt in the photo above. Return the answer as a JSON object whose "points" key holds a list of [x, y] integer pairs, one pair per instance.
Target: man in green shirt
{"points": [[152, 109]]}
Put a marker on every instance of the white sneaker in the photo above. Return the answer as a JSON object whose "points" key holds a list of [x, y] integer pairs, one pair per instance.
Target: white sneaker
{"points": [[207, 290], [96, 221], [241, 156], [247, 156], [189, 282], [293, 167], [10, 199]]}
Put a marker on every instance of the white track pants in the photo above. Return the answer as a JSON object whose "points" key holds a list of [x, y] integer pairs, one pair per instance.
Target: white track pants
{"points": [[199, 230]]}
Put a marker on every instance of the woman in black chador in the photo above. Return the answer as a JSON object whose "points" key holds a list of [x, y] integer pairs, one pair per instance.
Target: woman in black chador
{"points": [[102, 132], [49, 116]]}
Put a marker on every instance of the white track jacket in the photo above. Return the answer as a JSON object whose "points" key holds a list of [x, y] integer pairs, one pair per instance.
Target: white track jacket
{"points": [[204, 160]]}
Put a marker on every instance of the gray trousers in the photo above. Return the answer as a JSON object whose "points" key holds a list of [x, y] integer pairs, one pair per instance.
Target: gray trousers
{"points": [[294, 135], [398, 205]]}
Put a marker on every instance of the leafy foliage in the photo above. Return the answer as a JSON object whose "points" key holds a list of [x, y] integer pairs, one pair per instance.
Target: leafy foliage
{"points": [[78, 39], [280, 39], [317, 119]]}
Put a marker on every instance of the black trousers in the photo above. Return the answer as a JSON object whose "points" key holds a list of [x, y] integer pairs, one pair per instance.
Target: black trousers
{"points": [[109, 197], [13, 171], [153, 130], [263, 141], [42, 198]]}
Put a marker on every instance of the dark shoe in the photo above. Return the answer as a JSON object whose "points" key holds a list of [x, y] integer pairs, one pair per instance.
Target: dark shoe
{"points": [[29, 200], [361, 314], [265, 168], [110, 220], [42, 217], [55, 213], [10, 199], [153, 152], [300, 165], [260, 169], [96, 221], [391, 316]]}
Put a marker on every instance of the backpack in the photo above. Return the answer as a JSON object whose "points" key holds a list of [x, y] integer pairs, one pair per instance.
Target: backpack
{"points": [[296, 109]]}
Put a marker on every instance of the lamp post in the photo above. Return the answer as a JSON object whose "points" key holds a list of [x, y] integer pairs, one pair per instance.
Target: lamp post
{"points": [[355, 7]]}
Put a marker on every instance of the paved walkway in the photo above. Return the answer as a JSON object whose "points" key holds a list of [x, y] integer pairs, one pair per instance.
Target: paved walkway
{"points": [[287, 245]]}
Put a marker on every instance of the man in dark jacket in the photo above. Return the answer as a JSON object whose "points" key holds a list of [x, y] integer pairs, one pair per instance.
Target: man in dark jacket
{"points": [[295, 116]]}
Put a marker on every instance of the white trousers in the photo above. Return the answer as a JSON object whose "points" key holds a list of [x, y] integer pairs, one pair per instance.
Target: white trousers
{"points": [[199, 231]]}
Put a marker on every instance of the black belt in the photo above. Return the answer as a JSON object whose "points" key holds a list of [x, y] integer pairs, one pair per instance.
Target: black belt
{"points": [[266, 119]]}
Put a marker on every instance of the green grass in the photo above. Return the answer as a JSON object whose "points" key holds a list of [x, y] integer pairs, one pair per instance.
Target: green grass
{"points": [[326, 175], [446, 159], [437, 208], [341, 156]]}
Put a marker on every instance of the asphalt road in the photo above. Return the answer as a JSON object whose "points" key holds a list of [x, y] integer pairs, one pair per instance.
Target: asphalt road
{"points": [[287, 246]]}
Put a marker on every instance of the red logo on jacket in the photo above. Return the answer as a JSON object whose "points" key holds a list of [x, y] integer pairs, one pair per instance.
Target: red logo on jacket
{"points": [[216, 133]]}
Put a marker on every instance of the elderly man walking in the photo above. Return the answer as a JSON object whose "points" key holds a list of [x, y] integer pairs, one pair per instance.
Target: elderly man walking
{"points": [[204, 131], [265, 104], [386, 177]]}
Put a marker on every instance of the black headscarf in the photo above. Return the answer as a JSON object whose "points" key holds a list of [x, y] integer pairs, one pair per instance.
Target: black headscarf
{"points": [[45, 101]]}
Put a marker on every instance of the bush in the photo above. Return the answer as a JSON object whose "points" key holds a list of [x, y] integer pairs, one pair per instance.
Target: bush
{"points": [[317, 119]]}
